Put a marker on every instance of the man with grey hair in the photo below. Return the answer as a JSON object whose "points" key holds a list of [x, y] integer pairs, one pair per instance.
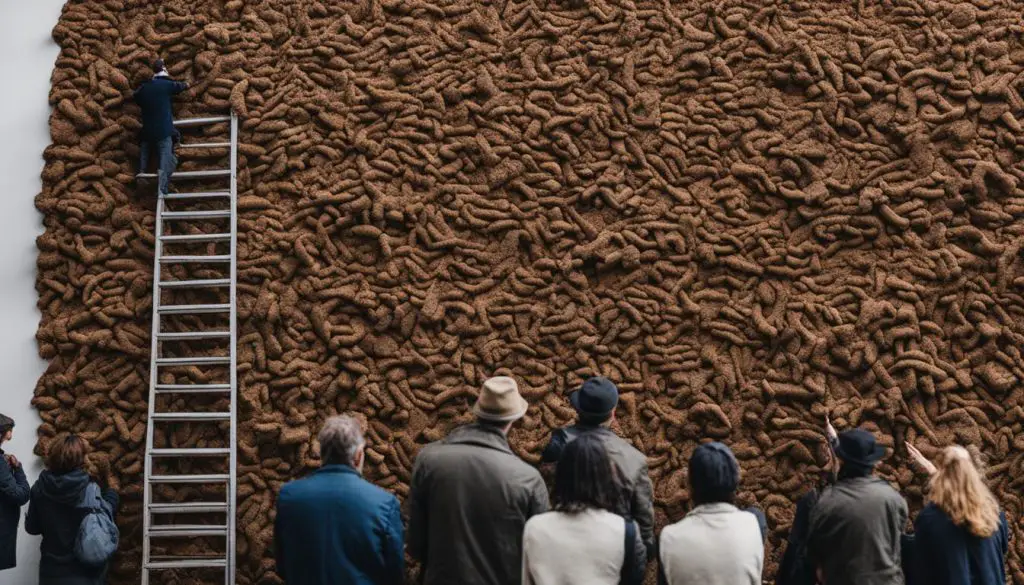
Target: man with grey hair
{"points": [[334, 526]]}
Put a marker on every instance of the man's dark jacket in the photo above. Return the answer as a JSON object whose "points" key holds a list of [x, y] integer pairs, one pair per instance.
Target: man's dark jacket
{"points": [[336, 527], [14, 492], [54, 512], [469, 502], [631, 462], [155, 97], [948, 554], [856, 533]]}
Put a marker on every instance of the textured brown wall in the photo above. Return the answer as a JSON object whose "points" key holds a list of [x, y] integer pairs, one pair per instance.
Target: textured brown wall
{"points": [[746, 213]]}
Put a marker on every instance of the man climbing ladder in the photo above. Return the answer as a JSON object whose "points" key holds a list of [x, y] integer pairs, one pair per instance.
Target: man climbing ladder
{"points": [[158, 132]]}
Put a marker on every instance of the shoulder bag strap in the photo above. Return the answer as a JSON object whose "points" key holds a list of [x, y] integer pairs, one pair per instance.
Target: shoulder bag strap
{"points": [[628, 562]]}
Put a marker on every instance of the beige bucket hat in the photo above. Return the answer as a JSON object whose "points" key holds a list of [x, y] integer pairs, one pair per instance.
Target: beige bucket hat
{"points": [[500, 401]]}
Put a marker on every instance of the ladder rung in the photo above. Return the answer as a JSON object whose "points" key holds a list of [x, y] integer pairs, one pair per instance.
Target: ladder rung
{"points": [[188, 563], [191, 416], [204, 214], [188, 335], [192, 388], [195, 259], [197, 195], [201, 121], [188, 507], [191, 309], [184, 175], [193, 361], [196, 452], [206, 145], [208, 478], [214, 282], [195, 238], [188, 530]]}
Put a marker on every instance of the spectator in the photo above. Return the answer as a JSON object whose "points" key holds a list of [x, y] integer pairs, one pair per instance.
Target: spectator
{"points": [[584, 541], [55, 512], [716, 543], [336, 527], [856, 525], [14, 492], [158, 133], [961, 536], [471, 496], [795, 568], [595, 403]]}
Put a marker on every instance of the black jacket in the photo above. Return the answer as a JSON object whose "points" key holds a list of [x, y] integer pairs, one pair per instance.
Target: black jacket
{"points": [[947, 554], [53, 512], [154, 97], [13, 495]]}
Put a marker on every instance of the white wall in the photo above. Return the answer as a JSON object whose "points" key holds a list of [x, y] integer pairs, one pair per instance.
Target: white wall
{"points": [[27, 54]]}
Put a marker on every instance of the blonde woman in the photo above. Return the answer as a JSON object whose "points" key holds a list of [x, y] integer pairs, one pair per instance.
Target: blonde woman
{"points": [[961, 535]]}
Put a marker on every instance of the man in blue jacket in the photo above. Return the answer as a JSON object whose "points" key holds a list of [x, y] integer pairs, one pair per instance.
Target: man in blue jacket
{"points": [[334, 526], [14, 493], [158, 133]]}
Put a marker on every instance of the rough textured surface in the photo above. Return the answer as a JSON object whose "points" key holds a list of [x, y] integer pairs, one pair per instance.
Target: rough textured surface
{"points": [[746, 213]]}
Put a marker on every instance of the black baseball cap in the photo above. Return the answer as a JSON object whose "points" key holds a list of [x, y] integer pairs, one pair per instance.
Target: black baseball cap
{"points": [[596, 398]]}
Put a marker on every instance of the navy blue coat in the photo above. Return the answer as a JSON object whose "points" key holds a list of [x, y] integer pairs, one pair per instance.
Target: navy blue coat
{"points": [[155, 97], [946, 554], [335, 527], [14, 493]]}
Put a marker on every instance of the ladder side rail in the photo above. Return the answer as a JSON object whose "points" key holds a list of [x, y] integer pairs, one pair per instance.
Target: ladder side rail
{"points": [[229, 573], [147, 490]]}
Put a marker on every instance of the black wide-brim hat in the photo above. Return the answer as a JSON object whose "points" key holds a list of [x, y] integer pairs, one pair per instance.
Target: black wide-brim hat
{"points": [[858, 447], [596, 398]]}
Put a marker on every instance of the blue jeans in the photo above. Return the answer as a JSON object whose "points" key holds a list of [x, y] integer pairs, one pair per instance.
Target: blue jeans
{"points": [[165, 159]]}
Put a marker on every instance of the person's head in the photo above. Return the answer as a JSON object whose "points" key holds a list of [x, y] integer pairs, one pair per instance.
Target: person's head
{"points": [[66, 454], [595, 401], [958, 489], [6, 428], [342, 442], [586, 478], [499, 403], [714, 474], [159, 66], [858, 453]]}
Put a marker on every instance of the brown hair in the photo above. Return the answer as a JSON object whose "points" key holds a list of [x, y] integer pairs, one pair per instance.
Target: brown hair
{"points": [[66, 453], [958, 489]]}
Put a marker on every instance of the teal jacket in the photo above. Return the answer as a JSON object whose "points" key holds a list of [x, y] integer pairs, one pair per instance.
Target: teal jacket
{"points": [[335, 527]]}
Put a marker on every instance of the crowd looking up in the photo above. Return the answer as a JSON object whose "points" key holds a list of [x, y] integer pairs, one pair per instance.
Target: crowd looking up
{"points": [[479, 515]]}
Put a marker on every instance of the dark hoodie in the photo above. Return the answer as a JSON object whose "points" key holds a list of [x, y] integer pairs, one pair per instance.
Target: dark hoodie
{"points": [[53, 512]]}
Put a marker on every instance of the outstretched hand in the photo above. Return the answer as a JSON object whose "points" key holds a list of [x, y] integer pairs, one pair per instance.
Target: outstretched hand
{"points": [[920, 460], [12, 461], [830, 431]]}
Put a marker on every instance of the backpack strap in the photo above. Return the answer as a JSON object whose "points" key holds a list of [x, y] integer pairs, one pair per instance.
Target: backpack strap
{"points": [[628, 562], [91, 498]]}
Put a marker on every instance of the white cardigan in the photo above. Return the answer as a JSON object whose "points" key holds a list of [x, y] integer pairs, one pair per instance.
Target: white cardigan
{"points": [[573, 549], [715, 544]]}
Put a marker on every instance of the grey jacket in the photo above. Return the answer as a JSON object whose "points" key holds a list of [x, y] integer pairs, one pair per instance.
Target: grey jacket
{"points": [[633, 465], [469, 502], [855, 533]]}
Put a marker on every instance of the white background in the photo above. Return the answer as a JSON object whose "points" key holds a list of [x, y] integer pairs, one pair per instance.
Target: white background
{"points": [[27, 55]]}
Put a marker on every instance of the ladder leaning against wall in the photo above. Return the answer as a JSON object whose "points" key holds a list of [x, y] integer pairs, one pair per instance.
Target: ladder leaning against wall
{"points": [[190, 468]]}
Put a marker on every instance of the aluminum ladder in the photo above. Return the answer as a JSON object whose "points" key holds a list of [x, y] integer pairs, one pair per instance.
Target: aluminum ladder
{"points": [[191, 500]]}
